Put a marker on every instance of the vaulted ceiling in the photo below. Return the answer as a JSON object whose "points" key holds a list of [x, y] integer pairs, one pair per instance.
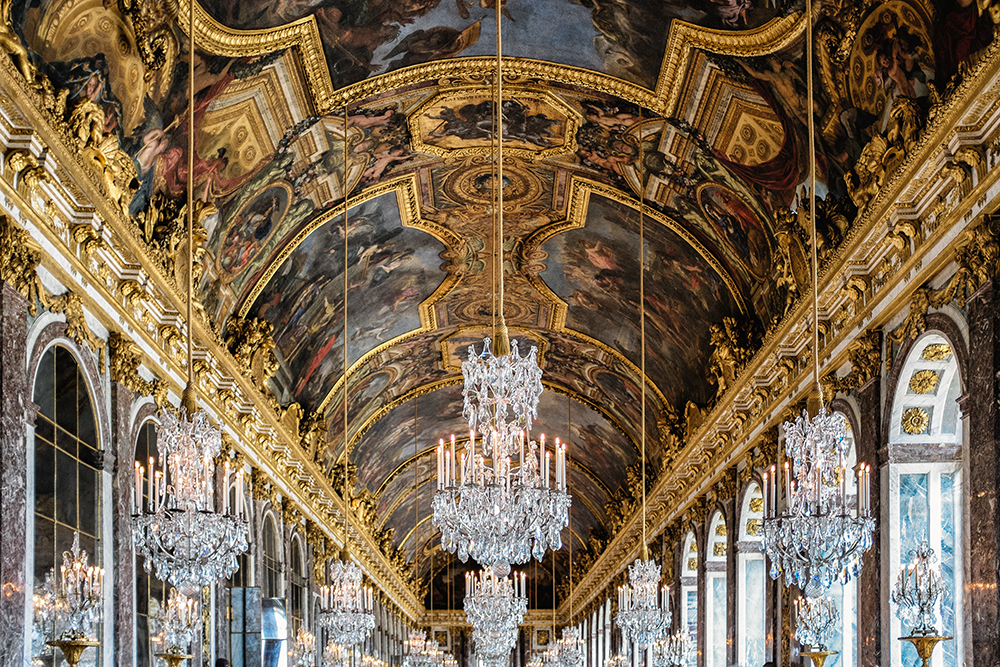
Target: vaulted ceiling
{"points": [[711, 95]]}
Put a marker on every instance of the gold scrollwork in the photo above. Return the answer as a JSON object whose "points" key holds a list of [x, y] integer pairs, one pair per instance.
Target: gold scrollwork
{"points": [[125, 359]]}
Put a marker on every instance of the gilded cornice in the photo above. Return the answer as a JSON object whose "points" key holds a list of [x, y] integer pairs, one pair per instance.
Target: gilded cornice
{"points": [[125, 289], [892, 269]]}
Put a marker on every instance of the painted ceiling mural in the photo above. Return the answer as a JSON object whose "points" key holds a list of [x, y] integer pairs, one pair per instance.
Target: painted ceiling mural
{"points": [[699, 108]]}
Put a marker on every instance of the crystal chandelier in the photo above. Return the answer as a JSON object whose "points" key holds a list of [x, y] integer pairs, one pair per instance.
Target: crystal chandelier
{"points": [[179, 533], [181, 537], [676, 650], [336, 655], [70, 606], [302, 652], [817, 539], [572, 650], [495, 607], [617, 660], [178, 623], [643, 606], [918, 587], [498, 503], [815, 618], [346, 605]]}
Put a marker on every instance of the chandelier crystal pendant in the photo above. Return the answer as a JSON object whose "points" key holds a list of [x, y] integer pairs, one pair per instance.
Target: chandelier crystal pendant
{"points": [[181, 537], [494, 607], [817, 539], [676, 650], [346, 604]]}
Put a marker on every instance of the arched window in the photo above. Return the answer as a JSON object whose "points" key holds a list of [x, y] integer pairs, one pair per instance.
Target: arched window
{"points": [[297, 592], [751, 579], [925, 486], [716, 625], [149, 591], [68, 468], [272, 560], [689, 587], [241, 577]]}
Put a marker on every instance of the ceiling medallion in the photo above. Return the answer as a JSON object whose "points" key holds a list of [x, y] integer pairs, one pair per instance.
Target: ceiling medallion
{"points": [[924, 382], [916, 421]]}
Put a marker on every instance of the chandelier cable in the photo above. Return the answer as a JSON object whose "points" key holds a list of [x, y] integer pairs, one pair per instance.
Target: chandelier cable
{"points": [[812, 195], [189, 392], [344, 336], [642, 331], [569, 523]]}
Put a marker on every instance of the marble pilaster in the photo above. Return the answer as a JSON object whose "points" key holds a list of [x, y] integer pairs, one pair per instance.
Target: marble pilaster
{"points": [[121, 517], [980, 406], [867, 445], [14, 403]]}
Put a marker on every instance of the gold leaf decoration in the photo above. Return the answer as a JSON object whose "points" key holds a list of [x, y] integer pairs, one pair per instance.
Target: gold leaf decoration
{"points": [[692, 563], [936, 352], [916, 421], [719, 549], [924, 382], [754, 526], [721, 529], [757, 504]]}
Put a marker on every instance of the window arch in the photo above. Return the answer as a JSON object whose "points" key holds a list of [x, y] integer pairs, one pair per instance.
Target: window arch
{"points": [[716, 624], [271, 587], [925, 484], [751, 579], [689, 587], [297, 590], [68, 464], [242, 577], [149, 591]]}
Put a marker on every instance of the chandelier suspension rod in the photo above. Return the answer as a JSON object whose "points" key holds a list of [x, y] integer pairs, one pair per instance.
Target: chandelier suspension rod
{"points": [[569, 523], [189, 390], [643, 552], [498, 118], [344, 334], [812, 194]]}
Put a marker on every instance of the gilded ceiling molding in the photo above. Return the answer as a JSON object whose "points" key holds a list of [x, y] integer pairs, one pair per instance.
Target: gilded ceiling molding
{"points": [[125, 359], [19, 260], [890, 271]]}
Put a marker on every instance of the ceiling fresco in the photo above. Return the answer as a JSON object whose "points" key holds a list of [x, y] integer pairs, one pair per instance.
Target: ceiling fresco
{"points": [[697, 109]]}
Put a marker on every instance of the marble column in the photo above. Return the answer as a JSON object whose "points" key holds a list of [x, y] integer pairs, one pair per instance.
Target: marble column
{"points": [[732, 590], [980, 406], [122, 492], [15, 400], [868, 445]]}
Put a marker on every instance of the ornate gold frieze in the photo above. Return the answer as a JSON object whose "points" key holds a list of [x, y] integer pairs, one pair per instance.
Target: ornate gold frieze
{"points": [[915, 421], [866, 362], [125, 359], [924, 381], [251, 344], [732, 350], [71, 305], [19, 260]]}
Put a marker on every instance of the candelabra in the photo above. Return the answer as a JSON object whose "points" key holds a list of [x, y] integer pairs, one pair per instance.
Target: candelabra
{"points": [[302, 652], [817, 539], [643, 606], [617, 660], [504, 498], [816, 618], [181, 537], [676, 650], [346, 605], [371, 661], [918, 587], [495, 607], [72, 603], [571, 648], [178, 623], [336, 655]]}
